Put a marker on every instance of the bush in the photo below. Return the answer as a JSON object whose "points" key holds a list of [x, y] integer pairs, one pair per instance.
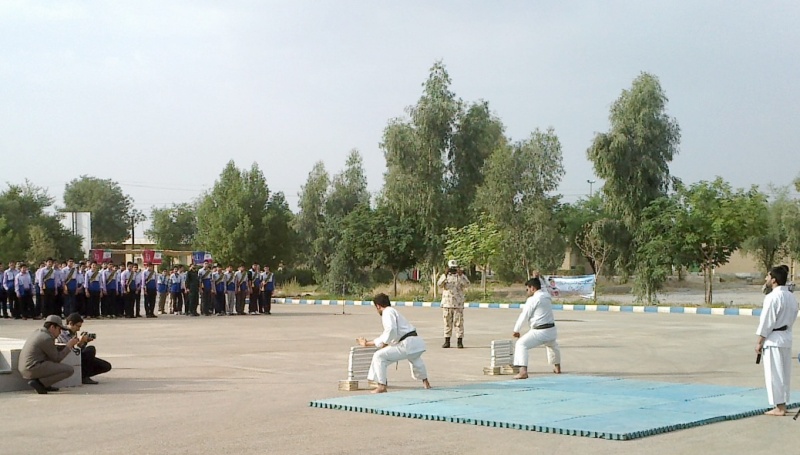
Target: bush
{"points": [[303, 277], [381, 276]]}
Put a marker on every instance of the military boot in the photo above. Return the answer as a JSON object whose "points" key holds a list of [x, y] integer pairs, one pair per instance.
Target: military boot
{"points": [[460, 344], [446, 343]]}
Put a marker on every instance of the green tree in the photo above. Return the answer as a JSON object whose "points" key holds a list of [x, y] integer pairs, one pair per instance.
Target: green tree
{"points": [[282, 238], [348, 192], [22, 207], [231, 216], [41, 246], [633, 156], [517, 193], [478, 133], [704, 224], [394, 242], [175, 227], [111, 209], [416, 151], [310, 221], [475, 244], [771, 244], [573, 220]]}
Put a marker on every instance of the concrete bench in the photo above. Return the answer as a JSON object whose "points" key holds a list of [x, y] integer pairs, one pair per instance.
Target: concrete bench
{"points": [[501, 360], [10, 378], [358, 363]]}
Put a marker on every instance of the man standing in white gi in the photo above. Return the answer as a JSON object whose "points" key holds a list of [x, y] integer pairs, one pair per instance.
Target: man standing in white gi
{"points": [[398, 341], [775, 340], [538, 313], [454, 287]]}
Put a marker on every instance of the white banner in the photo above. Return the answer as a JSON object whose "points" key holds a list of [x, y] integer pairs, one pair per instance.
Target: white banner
{"points": [[561, 286]]}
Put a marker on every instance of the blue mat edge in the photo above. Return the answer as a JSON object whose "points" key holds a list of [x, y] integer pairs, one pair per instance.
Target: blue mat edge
{"points": [[548, 429]]}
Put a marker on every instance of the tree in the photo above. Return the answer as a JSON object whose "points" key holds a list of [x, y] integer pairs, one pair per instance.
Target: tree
{"points": [[41, 246], [475, 244], [633, 156], [22, 207], [704, 224], [771, 244], [415, 152], [310, 221], [518, 182], [348, 192], [478, 133], [175, 227], [394, 242], [593, 243], [231, 216], [573, 221], [111, 209], [282, 238]]}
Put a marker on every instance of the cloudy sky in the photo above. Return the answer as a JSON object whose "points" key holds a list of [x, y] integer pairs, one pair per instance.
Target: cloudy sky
{"points": [[160, 95]]}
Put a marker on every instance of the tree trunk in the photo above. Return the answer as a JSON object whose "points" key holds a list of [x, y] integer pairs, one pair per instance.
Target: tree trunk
{"points": [[681, 276], [433, 282], [708, 279], [483, 279], [394, 276]]}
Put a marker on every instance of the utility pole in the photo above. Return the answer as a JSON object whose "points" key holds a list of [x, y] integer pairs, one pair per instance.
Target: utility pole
{"points": [[590, 182]]}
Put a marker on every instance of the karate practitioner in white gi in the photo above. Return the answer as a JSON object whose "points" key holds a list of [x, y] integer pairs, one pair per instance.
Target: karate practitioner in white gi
{"points": [[398, 341], [538, 313], [775, 339]]}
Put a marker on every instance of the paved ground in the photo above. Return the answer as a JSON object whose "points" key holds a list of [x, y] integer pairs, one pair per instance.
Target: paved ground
{"points": [[242, 385]]}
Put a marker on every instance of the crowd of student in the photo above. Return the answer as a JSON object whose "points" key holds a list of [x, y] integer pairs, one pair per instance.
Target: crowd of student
{"points": [[109, 290]]}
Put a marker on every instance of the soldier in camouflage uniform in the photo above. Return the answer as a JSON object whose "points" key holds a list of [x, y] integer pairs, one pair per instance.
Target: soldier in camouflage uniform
{"points": [[454, 287]]}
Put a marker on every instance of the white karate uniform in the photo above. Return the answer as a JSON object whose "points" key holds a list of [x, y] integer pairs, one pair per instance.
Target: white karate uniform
{"points": [[780, 309], [394, 327], [537, 310]]}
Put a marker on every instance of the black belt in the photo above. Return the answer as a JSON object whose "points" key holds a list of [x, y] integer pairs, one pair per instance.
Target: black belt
{"points": [[780, 329], [412, 333], [544, 326]]}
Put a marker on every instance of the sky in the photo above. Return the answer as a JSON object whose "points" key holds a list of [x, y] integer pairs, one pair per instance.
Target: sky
{"points": [[160, 95]]}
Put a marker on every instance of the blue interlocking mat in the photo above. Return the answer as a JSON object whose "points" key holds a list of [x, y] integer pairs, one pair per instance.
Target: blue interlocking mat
{"points": [[592, 406]]}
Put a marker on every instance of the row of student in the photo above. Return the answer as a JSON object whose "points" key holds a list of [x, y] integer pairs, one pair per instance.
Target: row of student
{"points": [[108, 290]]}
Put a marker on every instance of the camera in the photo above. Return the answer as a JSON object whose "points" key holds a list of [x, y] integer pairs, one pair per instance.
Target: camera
{"points": [[91, 336]]}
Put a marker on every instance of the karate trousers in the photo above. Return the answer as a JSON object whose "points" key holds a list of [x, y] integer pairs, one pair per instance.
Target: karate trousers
{"points": [[534, 338], [778, 373], [391, 354]]}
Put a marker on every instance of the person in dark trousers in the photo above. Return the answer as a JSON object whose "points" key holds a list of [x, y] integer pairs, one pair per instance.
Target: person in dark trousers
{"points": [[90, 364], [193, 288]]}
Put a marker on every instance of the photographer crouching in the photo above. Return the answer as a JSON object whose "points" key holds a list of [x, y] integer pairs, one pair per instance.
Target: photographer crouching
{"points": [[90, 364]]}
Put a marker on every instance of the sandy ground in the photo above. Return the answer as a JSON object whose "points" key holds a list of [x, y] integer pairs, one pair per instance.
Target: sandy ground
{"points": [[242, 385]]}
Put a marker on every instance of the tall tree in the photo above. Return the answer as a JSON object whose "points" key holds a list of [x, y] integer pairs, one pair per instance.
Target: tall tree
{"points": [[475, 244], [231, 216], [310, 220], [633, 156], [517, 193], [348, 192], [41, 246], [415, 152], [478, 134], [282, 238], [175, 227], [111, 209]]}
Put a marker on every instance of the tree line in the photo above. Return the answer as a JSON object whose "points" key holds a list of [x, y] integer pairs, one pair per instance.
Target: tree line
{"points": [[455, 186]]}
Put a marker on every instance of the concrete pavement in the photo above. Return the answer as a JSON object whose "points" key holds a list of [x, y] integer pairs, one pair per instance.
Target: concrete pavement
{"points": [[242, 384]]}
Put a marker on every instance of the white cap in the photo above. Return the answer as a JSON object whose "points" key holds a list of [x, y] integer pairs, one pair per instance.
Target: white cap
{"points": [[452, 263]]}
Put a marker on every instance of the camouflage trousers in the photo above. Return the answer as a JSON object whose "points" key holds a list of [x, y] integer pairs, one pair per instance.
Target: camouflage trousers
{"points": [[453, 319]]}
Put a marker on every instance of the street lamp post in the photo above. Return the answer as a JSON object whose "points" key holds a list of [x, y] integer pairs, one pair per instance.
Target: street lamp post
{"points": [[590, 182]]}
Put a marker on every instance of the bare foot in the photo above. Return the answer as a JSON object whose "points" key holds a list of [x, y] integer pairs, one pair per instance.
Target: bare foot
{"points": [[776, 412], [521, 376], [426, 384], [380, 389], [557, 368]]}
